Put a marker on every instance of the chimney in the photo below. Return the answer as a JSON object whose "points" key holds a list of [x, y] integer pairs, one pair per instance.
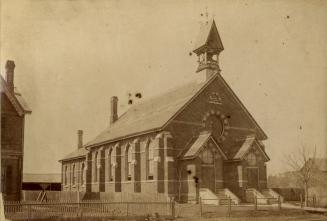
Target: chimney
{"points": [[113, 109], [10, 67], [80, 139]]}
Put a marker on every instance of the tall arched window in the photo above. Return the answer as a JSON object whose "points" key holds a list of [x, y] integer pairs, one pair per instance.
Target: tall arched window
{"points": [[113, 165], [82, 174], [128, 163], [149, 161], [109, 162], [96, 167], [73, 174], [66, 175]]}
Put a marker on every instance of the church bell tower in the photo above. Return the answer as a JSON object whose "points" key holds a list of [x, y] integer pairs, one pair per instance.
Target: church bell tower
{"points": [[208, 47]]}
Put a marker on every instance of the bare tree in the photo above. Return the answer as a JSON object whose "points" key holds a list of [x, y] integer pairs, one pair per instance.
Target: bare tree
{"points": [[303, 163]]}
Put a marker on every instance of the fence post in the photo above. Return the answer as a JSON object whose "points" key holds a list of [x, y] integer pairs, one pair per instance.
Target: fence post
{"points": [[229, 205], [255, 203], [173, 208], [29, 215], [279, 203], [301, 201], [200, 201], [127, 209]]}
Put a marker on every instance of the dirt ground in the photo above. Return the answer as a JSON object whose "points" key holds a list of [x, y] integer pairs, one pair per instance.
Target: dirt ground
{"points": [[192, 213]]}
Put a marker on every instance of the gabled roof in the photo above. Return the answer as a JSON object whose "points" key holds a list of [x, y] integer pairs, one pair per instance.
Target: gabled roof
{"points": [[76, 154], [246, 146], [150, 115], [15, 98], [199, 144], [208, 31]]}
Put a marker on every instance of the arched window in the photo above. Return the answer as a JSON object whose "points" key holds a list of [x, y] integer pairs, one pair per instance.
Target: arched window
{"points": [[66, 175], [82, 174], [110, 165], [96, 167], [207, 156], [128, 163], [73, 174], [149, 161], [251, 158]]}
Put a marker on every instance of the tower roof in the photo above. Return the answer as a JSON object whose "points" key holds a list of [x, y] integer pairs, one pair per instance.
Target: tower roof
{"points": [[208, 38]]}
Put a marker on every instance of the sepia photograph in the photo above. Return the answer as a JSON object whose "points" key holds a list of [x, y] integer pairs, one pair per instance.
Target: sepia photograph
{"points": [[163, 110]]}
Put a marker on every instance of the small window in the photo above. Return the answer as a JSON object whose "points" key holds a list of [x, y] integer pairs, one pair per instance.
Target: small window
{"points": [[207, 157], [251, 158]]}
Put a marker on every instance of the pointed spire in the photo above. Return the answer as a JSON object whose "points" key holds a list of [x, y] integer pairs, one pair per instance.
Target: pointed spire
{"points": [[208, 37], [208, 47]]}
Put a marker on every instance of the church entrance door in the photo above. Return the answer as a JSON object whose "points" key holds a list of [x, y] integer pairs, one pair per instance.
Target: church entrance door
{"points": [[208, 177], [253, 177]]}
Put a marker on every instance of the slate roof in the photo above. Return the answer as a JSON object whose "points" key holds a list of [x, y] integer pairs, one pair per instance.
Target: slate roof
{"points": [[79, 153], [205, 34], [41, 178], [151, 114], [15, 98]]}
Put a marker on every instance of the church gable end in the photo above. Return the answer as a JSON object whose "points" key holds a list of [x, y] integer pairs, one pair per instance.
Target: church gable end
{"points": [[218, 110]]}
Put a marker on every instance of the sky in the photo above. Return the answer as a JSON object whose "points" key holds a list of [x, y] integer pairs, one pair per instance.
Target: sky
{"points": [[72, 56]]}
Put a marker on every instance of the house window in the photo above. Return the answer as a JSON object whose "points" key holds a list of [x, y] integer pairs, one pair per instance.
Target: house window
{"points": [[96, 167], [82, 174], [251, 158], [207, 157], [149, 162], [128, 163]]}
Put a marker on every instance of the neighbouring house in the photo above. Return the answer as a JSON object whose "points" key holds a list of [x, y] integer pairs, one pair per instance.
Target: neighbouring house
{"points": [[198, 140], [13, 111]]}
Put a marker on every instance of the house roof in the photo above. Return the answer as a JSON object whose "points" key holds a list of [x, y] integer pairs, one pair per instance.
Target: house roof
{"points": [[198, 144], [151, 114], [41, 178], [208, 30], [15, 98], [79, 153], [246, 146], [321, 164]]}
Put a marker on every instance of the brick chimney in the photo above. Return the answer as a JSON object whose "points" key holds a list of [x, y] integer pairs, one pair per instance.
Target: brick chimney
{"points": [[113, 109], [10, 67], [80, 139]]}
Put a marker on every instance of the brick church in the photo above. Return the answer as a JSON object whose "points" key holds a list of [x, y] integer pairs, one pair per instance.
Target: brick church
{"points": [[198, 140]]}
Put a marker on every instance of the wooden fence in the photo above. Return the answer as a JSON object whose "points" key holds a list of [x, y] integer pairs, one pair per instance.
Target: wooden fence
{"points": [[35, 210]]}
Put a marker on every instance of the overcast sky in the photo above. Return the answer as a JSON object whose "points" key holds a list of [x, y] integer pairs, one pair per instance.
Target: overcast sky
{"points": [[72, 56]]}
